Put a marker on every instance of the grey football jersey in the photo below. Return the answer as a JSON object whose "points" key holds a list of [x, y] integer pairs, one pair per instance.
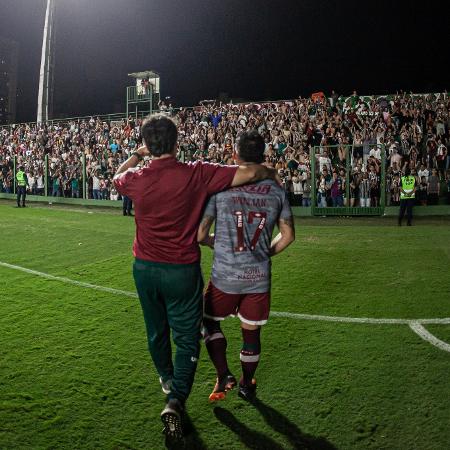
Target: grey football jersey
{"points": [[245, 219]]}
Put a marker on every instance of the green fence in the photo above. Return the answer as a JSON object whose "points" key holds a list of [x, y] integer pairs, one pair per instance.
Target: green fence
{"points": [[349, 163], [83, 192]]}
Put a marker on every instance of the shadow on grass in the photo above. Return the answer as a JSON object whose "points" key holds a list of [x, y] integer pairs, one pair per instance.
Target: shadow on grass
{"points": [[283, 425], [250, 438], [279, 423], [192, 438]]}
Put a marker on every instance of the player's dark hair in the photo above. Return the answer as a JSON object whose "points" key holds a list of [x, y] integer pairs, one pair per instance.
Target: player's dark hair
{"points": [[160, 134], [251, 146]]}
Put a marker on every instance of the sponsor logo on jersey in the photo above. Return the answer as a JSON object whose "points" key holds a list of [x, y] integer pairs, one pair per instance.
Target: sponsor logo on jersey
{"points": [[253, 189]]}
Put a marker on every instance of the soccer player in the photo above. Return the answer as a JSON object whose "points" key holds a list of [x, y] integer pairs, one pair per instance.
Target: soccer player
{"points": [[169, 198], [241, 275]]}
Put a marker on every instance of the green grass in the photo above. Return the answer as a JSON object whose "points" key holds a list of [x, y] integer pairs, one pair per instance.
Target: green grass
{"points": [[75, 372]]}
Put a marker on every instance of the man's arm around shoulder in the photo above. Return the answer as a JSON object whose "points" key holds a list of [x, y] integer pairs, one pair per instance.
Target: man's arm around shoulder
{"points": [[251, 173]]}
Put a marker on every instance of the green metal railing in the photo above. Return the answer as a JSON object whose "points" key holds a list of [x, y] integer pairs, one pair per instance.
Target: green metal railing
{"points": [[345, 210]]}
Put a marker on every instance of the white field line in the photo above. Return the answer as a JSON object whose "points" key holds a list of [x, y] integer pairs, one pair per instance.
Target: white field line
{"points": [[419, 329], [370, 320], [414, 324], [69, 281]]}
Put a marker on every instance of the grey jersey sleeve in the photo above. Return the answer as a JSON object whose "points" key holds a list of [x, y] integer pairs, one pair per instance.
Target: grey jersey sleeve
{"points": [[211, 209]]}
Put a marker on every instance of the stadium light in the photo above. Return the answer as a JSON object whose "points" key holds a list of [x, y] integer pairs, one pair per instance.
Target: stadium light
{"points": [[46, 73]]}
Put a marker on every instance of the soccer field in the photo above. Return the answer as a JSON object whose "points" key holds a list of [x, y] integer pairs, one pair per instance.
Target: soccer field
{"points": [[75, 372]]}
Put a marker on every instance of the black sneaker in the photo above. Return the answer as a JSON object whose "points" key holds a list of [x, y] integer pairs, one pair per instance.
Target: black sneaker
{"points": [[172, 418], [225, 384], [247, 392]]}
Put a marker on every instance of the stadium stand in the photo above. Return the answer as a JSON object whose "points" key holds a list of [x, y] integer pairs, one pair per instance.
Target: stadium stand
{"points": [[412, 129]]}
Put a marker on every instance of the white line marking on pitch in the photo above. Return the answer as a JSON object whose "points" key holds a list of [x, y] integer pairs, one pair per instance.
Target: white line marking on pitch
{"points": [[414, 324], [419, 329], [443, 321], [69, 281]]}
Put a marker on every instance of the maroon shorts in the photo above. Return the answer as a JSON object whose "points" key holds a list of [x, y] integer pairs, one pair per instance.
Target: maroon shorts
{"points": [[250, 308]]}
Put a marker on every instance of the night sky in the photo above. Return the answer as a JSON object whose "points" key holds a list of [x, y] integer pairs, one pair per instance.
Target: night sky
{"points": [[251, 49]]}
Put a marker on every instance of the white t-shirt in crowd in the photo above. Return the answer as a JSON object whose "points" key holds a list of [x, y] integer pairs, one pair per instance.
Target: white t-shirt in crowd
{"points": [[324, 162], [298, 187], [423, 173], [95, 183], [376, 153]]}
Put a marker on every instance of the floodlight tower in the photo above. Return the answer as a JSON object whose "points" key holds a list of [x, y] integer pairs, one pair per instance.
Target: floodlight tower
{"points": [[45, 95]]}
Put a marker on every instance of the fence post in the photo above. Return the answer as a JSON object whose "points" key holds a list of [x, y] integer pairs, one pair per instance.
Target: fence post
{"points": [[83, 161], [383, 178], [347, 175], [14, 173], [312, 157], [46, 176]]}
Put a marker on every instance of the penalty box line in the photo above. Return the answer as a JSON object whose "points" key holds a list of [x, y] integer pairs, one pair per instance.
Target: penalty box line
{"points": [[415, 325]]}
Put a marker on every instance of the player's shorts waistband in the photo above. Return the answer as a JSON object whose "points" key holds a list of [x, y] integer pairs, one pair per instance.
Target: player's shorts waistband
{"points": [[166, 265]]}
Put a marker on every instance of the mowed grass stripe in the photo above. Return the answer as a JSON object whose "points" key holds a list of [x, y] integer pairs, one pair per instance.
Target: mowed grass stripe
{"points": [[285, 314], [75, 371]]}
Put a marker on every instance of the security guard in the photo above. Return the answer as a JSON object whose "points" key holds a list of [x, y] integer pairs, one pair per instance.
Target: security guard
{"points": [[22, 183], [407, 196]]}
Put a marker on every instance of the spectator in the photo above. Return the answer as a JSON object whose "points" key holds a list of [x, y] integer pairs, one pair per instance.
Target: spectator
{"points": [[395, 190], [422, 192], [74, 186], [374, 180], [322, 192], [336, 190], [423, 172], [306, 180], [364, 191], [297, 185], [96, 194], [355, 179], [433, 188]]}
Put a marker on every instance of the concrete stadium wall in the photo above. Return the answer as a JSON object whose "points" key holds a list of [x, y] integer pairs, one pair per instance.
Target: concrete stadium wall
{"points": [[390, 211], [438, 210], [67, 201]]}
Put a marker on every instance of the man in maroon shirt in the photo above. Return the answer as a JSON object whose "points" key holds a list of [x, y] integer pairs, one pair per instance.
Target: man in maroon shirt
{"points": [[169, 198]]}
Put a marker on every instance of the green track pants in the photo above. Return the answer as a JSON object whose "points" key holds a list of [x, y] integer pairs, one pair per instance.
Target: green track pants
{"points": [[171, 297]]}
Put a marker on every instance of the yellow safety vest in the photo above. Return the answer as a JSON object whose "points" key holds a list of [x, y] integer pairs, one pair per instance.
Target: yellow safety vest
{"points": [[20, 177], [408, 184]]}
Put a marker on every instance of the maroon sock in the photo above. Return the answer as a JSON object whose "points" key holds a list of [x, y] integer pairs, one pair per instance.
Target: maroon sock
{"points": [[251, 349], [216, 344]]}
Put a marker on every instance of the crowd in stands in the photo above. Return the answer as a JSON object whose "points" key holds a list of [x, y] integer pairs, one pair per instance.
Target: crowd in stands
{"points": [[349, 134]]}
